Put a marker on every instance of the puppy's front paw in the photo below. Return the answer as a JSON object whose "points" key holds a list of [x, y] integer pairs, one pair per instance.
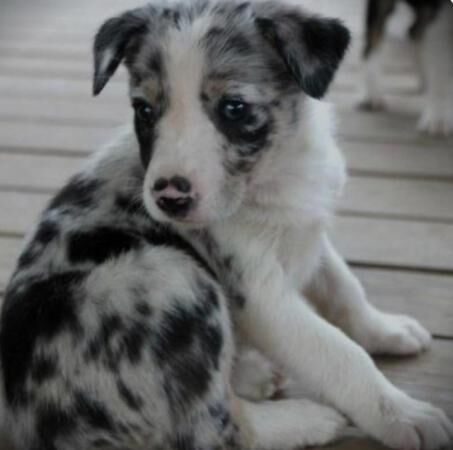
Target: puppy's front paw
{"points": [[254, 377], [382, 333], [410, 424], [322, 425]]}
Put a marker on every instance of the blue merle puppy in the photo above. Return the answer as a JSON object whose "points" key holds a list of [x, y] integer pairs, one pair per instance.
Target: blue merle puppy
{"points": [[203, 227]]}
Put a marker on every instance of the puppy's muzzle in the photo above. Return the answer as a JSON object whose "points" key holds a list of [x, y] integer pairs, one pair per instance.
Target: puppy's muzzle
{"points": [[174, 197]]}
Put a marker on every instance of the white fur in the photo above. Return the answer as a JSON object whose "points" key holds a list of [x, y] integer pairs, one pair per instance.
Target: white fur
{"points": [[279, 235]]}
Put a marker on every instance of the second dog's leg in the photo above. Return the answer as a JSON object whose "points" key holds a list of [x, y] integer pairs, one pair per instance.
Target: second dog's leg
{"points": [[377, 13], [341, 299], [437, 61]]}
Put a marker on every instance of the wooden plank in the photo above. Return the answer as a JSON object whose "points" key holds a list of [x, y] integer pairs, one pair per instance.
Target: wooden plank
{"points": [[427, 297], [28, 172], [89, 112], [395, 243], [386, 127], [15, 86], [400, 160], [428, 377], [54, 138], [38, 50], [50, 68], [401, 82], [408, 104], [14, 65], [417, 199]]}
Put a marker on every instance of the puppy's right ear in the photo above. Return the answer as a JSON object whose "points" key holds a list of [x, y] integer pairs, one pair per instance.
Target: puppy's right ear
{"points": [[112, 41]]}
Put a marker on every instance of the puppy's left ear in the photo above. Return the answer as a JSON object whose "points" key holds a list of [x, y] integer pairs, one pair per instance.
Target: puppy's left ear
{"points": [[112, 41], [310, 47]]}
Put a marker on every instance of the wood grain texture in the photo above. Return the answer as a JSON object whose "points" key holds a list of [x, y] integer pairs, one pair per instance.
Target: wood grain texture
{"points": [[87, 112], [410, 199], [395, 243], [390, 159], [52, 138], [35, 173], [427, 297]]}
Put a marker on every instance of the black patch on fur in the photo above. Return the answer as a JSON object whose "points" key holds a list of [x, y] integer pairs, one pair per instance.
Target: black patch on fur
{"points": [[185, 442], [46, 233], [133, 401], [173, 16], [30, 255], [44, 368], [188, 347], [93, 412], [130, 204], [120, 36], [53, 422], [146, 136], [143, 309], [177, 332], [78, 193], [116, 341], [220, 415], [100, 244], [134, 339], [221, 41], [165, 236], [249, 141], [101, 344], [310, 48], [34, 311], [155, 62]]}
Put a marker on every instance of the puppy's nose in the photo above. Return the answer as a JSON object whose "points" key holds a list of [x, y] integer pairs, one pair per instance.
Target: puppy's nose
{"points": [[175, 206], [181, 184], [173, 196], [160, 184]]}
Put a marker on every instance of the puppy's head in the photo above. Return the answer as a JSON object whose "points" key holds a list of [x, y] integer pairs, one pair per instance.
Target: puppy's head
{"points": [[215, 85]]}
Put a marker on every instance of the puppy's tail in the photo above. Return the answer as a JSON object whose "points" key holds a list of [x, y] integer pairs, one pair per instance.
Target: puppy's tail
{"points": [[286, 424]]}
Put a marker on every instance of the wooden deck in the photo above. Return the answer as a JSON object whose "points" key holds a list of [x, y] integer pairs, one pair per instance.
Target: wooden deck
{"points": [[395, 223]]}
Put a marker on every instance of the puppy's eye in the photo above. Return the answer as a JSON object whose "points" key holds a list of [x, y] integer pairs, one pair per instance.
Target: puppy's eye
{"points": [[143, 110], [234, 110]]}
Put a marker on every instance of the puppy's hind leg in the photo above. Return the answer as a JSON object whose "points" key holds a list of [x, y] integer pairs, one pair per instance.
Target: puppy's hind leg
{"points": [[378, 11], [289, 424]]}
